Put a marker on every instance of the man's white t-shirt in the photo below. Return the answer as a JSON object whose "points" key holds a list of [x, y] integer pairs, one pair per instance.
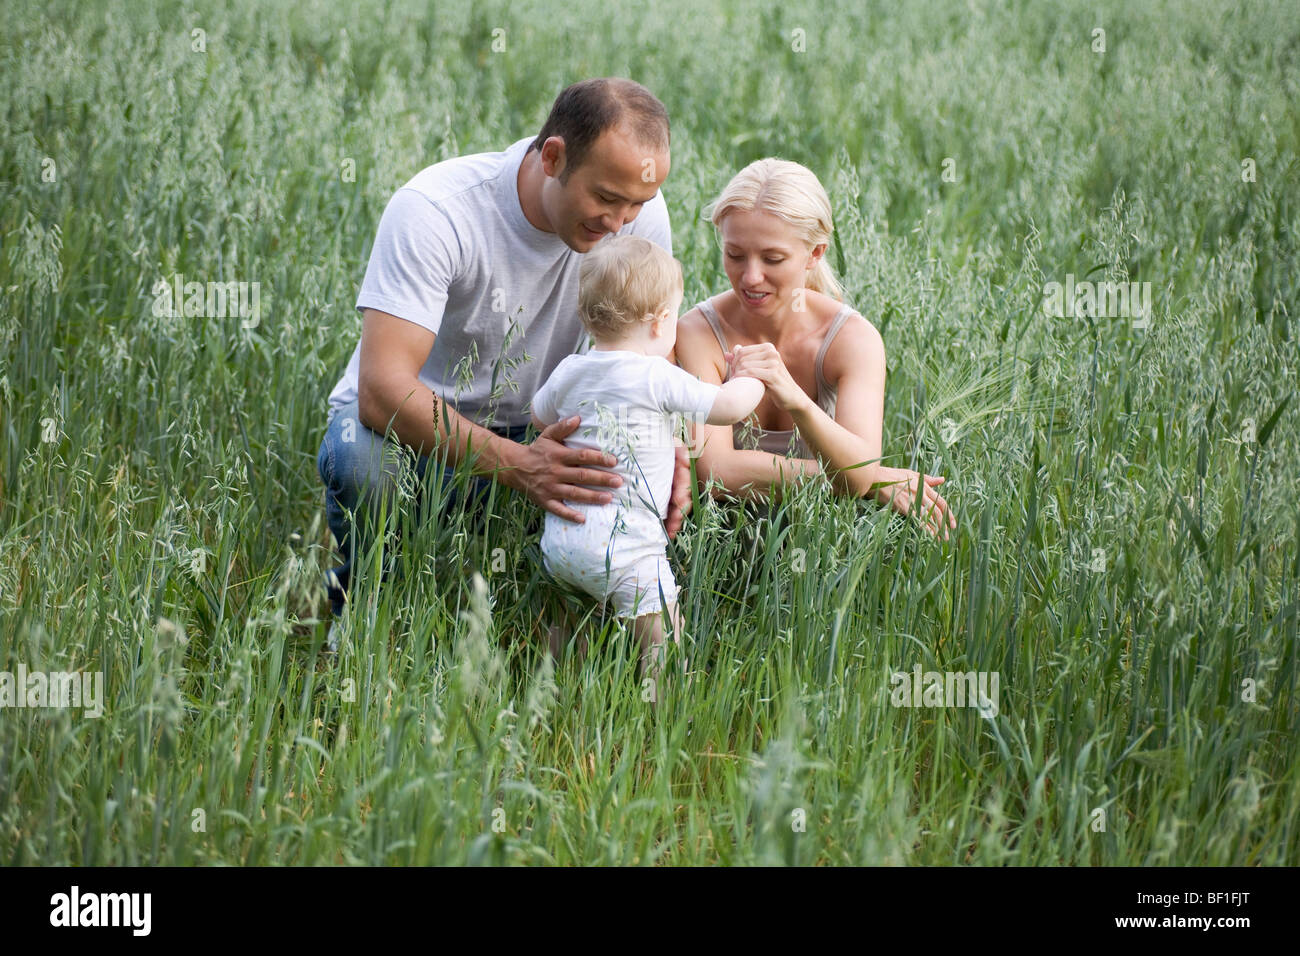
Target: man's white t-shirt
{"points": [[626, 400], [455, 254]]}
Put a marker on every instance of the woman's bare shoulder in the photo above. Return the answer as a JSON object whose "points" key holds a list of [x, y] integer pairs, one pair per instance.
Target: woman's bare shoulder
{"points": [[857, 347], [696, 342], [692, 321], [822, 305], [694, 326]]}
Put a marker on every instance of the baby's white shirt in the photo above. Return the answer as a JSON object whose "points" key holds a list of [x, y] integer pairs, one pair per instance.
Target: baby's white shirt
{"points": [[626, 401]]}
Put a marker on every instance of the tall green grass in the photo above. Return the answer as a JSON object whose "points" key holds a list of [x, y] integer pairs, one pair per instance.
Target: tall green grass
{"points": [[1129, 548]]}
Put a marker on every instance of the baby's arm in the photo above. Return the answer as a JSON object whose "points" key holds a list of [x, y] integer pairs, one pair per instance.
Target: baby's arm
{"points": [[542, 407], [736, 400]]}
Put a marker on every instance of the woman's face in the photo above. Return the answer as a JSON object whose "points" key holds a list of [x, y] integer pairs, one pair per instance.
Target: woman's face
{"points": [[765, 259]]}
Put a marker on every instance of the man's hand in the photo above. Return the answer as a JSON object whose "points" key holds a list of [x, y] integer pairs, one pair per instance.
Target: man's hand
{"points": [[679, 505], [549, 472]]}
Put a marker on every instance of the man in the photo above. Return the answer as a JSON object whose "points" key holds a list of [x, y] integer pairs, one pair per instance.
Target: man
{"points": [[470, 301]]}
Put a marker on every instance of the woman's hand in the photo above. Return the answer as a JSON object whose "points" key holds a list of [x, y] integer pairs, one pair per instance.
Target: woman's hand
{"points": [[898, 488], [763, 362]]}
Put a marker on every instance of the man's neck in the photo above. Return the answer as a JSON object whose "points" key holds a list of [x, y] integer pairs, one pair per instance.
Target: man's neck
{"points": [[529, 183]]}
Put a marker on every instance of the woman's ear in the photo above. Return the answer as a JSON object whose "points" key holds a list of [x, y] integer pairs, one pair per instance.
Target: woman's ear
{"points": [[818, 251]]}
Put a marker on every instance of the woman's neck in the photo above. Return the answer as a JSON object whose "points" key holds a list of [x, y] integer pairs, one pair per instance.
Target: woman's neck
{"points": [[776, 328]]}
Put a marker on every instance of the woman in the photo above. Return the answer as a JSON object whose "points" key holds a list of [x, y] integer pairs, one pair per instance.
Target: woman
{"points": [[783, 323]]}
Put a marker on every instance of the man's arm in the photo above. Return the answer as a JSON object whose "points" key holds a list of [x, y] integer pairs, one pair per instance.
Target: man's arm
{"points": [[390, 396]]}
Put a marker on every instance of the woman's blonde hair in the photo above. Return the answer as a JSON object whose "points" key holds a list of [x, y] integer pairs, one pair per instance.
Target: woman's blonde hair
{"points": [[622, 281], [792, 193]]}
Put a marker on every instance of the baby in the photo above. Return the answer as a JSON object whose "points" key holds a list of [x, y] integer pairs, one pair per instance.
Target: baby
{"points": [[625, 391]]}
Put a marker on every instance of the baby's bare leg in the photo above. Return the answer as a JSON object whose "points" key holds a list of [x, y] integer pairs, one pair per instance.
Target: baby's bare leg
{"points": [[649, 631], [561, 633]]}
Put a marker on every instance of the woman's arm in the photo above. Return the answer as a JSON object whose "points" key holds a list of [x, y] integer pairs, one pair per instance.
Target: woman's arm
{"points": [[849, 444], [739, 472]]}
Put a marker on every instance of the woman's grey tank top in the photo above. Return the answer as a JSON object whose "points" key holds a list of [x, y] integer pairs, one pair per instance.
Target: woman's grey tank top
{"points": [[784, 442]]}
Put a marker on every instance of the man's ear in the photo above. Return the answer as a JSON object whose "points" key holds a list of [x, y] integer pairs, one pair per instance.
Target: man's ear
{"points": [[553, 159]]}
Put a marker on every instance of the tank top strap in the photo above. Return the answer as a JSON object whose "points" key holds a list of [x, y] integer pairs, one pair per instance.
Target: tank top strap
{"points": [[837, 323], [715, 323]]}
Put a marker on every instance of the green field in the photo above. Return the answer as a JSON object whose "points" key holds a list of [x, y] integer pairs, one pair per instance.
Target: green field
{"points": [[1128, 556]]}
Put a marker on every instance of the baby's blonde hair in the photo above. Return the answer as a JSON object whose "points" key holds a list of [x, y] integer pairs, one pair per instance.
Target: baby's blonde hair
{"points": [[624, 281], [790, 192]]}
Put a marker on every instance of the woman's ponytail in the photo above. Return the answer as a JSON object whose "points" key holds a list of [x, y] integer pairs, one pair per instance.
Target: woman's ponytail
{"points": [[822, 279]]}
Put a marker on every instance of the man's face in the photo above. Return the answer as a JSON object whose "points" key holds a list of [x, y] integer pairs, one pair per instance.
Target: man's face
{"points": [[615, 179]]}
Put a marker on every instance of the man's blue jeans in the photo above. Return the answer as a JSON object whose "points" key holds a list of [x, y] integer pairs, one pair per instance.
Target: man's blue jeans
{"points": [[362, 471]]}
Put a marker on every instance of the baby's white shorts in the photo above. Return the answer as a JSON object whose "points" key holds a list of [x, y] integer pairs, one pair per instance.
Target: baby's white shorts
{"points": [[617, 555]]}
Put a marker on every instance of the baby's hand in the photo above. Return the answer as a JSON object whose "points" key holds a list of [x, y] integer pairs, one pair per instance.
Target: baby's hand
{"points": [[730, 358]]}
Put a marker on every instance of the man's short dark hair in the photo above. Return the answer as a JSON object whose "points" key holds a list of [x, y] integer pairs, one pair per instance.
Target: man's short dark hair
{"points": [[586, 109]]}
